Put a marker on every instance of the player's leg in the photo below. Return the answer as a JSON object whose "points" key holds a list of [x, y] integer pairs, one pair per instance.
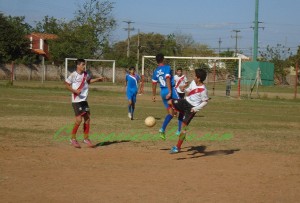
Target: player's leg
{"points": [[176, 95], [182, 105], [133, 104], [169, 115], [86, 129], [78, 119], [129, 108]]}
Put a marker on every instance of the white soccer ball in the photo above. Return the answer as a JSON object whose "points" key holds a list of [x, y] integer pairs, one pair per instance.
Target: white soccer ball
{"points": [[150, 121]]}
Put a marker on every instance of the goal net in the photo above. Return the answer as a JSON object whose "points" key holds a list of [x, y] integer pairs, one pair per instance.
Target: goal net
{"points": [[224, 73], [95, 67]]}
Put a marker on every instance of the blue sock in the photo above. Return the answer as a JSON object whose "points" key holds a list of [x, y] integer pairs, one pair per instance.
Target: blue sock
{"points": [[180, 117], [166, 121], [129, 108], [132, 109]]}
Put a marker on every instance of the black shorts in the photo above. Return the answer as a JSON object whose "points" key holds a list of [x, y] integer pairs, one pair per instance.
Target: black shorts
{"points": [[81, 108], [184, 107], [181, 95]]}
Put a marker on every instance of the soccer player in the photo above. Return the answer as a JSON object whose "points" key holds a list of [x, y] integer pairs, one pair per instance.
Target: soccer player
{"points": [[163, 75], [181, 82], [132, 81], [77, 83], [196, 99]]}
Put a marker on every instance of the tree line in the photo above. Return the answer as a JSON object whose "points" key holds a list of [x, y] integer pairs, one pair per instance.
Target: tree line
{"points": [[88, 34]]}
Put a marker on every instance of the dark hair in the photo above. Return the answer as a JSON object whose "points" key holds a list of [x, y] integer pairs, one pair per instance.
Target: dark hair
{"points": [[79, 61], [179, 69], [131, 68], [159, 58], [201, 74]]}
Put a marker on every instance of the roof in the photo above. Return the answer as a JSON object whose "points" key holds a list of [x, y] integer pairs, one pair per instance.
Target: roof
{"points": [[44, 35], [39, 51]]}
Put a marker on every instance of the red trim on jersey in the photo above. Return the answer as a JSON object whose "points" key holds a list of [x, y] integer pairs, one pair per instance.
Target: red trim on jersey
{"points": [[81, 84], [195, 91], [179, 81]]}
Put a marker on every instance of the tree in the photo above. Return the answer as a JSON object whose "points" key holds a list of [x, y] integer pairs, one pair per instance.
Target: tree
{"points": [[97, 16], [278, 55], [13, 42]]}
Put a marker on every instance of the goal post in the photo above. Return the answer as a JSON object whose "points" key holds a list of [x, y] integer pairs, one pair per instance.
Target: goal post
{"points": [[189, 63], [111, 63]]}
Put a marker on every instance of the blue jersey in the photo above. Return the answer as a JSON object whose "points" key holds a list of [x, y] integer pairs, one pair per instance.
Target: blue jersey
{"points": [[132, 82], [161, 73]]}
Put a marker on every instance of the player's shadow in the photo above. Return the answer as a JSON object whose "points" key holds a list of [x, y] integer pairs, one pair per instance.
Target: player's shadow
{"points": [[110, 142], [200, 151]]}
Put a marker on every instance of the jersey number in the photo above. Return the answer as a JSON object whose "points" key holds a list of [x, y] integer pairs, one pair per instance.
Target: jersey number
{"points": [[162, 81]]}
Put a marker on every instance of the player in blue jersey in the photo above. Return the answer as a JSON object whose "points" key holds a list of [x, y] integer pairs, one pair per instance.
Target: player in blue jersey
{"points": [[163, 75], [132, 81]]}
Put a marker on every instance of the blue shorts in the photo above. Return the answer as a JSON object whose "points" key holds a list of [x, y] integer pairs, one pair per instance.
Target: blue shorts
{"points": [[163, 94], [131, 96]]}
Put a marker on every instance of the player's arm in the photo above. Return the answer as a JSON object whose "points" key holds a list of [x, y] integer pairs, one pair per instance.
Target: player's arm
{"points": [[200, 106], [69, 87], [95, 80], [168, 82]]}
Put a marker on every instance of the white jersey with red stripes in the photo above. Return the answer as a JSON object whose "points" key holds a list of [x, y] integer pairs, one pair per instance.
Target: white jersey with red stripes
{"points": [[180, 81], [196, 94], [78, 81]]}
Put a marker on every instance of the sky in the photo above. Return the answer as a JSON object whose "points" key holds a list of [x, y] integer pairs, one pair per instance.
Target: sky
{"points": [[210, 22]]}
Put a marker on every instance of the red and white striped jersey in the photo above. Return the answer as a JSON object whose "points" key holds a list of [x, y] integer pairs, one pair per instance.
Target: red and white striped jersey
{"points": [[196, 95], [78, 81], [180, 81]]}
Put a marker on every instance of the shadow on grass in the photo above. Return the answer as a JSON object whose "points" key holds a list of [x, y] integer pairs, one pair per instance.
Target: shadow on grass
{"points": [[110, 142], [200, 151]]}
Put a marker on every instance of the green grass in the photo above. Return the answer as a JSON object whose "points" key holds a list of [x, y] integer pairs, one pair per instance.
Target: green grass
{"points": [[33, 111]]}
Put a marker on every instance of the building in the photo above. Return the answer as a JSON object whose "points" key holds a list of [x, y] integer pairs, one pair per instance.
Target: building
{"points": [[39, 43]]}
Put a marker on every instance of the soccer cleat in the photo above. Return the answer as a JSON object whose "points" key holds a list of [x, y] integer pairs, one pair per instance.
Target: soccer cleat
{"points": [[174, 150], [162, 134], [129, 115], [88, 142], [177, 133], [74, 143]]}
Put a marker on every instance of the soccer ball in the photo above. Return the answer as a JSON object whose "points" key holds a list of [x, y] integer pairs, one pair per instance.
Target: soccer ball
{"points": [[150, 121]]}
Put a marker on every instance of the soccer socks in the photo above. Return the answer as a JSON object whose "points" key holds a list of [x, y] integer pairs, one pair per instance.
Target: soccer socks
{"points": [[132, 109], [74, 131], [86, 130], [166, 121], [129, 108], [180, 140]]}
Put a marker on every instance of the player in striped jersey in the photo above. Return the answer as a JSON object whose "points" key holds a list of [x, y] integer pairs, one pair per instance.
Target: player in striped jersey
{"points": [[77, 83], [195, 100]]}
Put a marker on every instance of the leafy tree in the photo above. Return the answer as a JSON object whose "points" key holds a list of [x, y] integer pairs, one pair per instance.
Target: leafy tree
{"points": [[278, 55], [97, 16], [13, 42]]}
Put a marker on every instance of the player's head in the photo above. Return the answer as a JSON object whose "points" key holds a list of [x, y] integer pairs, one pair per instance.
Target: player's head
{"points": [[179, 71], [200, 74], [80, 63], [159, 58], [131, 70]]}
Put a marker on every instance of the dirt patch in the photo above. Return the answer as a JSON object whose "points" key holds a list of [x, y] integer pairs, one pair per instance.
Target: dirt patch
{"points": [[144, 172]]}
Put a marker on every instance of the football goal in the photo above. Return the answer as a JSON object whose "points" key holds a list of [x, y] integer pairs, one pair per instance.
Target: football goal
{"points": [[222, 71], [95, 67]]}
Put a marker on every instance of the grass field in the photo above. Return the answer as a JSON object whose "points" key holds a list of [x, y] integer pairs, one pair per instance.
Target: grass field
{"points": [[257, 161]]}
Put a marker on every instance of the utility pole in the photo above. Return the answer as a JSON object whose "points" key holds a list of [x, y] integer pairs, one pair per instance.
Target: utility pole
{"points": [[236, 38], [220, 41], [128, 29], [255, 46], [138, 51]]}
